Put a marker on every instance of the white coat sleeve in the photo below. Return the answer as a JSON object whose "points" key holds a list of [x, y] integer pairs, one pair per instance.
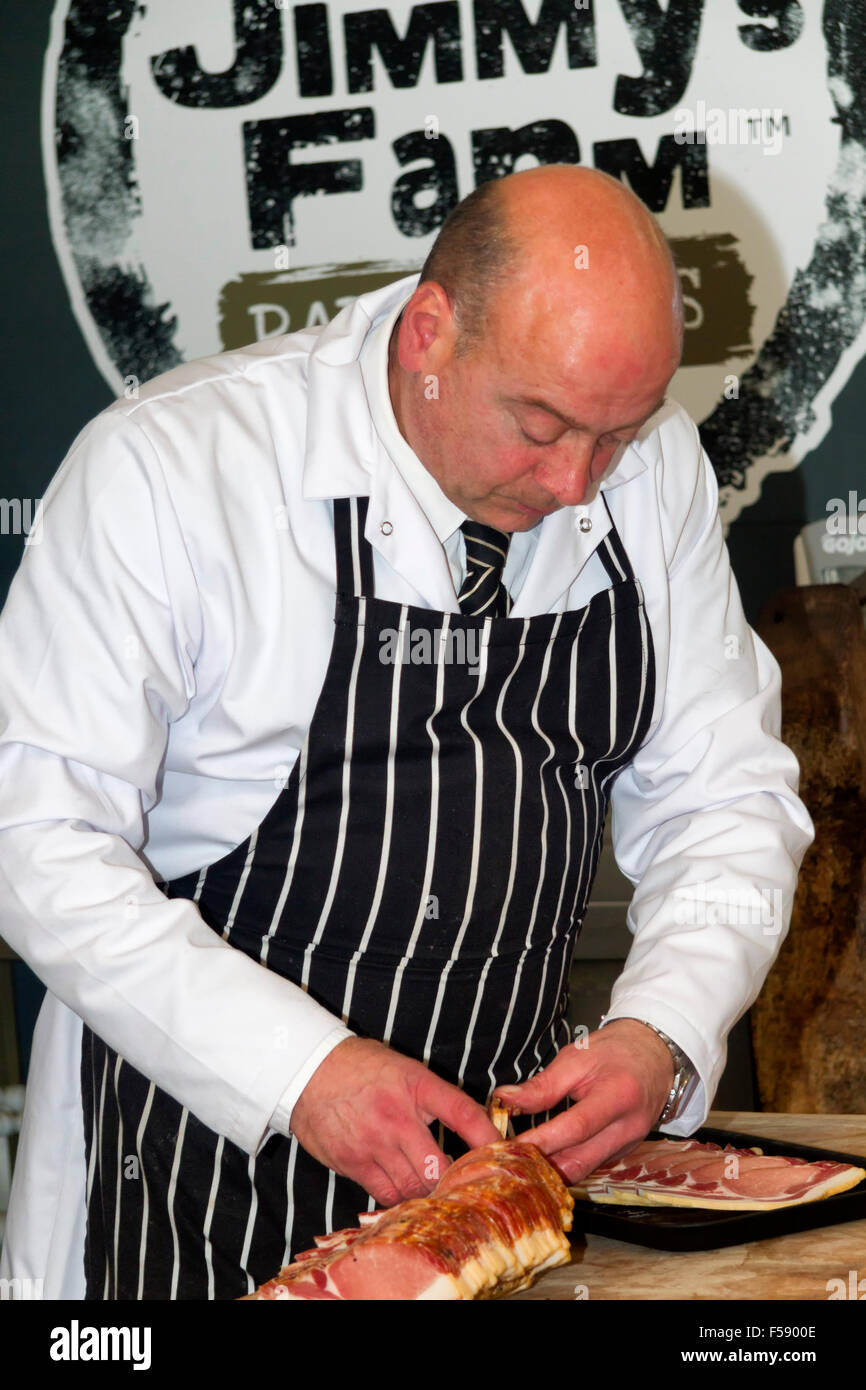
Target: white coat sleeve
{"points": [[706, 820], [98, 642]]}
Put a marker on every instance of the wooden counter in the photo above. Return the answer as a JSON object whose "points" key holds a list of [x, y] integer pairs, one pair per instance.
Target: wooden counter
{"points": [[795, 1266]]}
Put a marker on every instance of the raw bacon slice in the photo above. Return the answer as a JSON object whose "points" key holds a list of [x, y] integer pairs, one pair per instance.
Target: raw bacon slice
{"points": [[672, 1173], [496, 1219], [337, 1240]]}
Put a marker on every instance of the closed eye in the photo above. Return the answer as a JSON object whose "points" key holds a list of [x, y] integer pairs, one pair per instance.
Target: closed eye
{"points": [[605, 440], [539, 443]]}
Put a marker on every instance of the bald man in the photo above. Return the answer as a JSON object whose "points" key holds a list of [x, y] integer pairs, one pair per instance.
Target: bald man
{"points": [[544, 367], [308, 808]]}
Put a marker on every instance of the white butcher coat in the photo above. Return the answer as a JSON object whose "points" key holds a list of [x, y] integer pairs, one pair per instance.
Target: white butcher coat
{"points": [[161, 652]]}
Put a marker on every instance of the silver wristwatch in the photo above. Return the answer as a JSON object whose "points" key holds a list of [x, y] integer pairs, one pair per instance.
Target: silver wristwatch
{"points": [[685, 1077], [684, 1082]]}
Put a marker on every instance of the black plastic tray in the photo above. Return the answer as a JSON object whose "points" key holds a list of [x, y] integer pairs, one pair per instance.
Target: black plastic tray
{"points": [[693, 1228]]}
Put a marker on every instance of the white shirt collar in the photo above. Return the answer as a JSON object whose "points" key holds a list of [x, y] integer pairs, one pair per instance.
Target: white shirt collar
{"points": [[443, 515]]}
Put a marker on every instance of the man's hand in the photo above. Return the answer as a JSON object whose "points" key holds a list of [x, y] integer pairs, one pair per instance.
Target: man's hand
{"points": [[365, 1111], [621, 1079]]}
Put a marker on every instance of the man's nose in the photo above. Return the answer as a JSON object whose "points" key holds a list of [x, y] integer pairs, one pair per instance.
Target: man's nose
{"points": [[567, 474]]}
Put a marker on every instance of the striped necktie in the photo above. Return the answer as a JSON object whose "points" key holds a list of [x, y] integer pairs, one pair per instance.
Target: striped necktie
{"points": [[483, 594]]}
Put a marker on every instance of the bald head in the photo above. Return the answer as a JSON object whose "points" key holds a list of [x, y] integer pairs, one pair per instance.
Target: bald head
{"points": [[575, 240]]}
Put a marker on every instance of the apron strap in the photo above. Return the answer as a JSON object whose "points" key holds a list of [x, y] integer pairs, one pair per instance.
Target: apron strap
{"points": [[613, 555], [353, 552]]}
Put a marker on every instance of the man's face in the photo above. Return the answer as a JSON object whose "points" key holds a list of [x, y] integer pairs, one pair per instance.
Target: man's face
{"points": [[530, 419]]}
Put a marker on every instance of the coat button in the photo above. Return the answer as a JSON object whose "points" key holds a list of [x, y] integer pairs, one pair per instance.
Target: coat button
{"points": [[585, 523], [386, 528]]}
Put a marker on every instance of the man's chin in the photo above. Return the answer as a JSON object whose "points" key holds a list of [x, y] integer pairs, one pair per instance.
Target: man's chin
{"points": [[523, 518], [508, 515]]}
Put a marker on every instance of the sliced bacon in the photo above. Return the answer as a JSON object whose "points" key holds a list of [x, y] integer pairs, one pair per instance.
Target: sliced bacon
{"points": [[687, 1173], [494, 1221], [337, 1240], [368, 1218]]}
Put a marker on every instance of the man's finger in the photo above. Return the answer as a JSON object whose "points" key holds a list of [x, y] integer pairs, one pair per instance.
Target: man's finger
{"points": [[375, 1180], [606, 1103], [548, 1087], [442, 1101], [424, 1156], [405, 1172], [574, 1163]]}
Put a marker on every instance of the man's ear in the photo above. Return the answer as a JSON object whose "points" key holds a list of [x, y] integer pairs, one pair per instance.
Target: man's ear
{"points": [[427, 332]]}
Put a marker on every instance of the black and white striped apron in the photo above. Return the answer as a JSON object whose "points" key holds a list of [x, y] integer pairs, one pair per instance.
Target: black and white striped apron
{"points": [[423, 875]]}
